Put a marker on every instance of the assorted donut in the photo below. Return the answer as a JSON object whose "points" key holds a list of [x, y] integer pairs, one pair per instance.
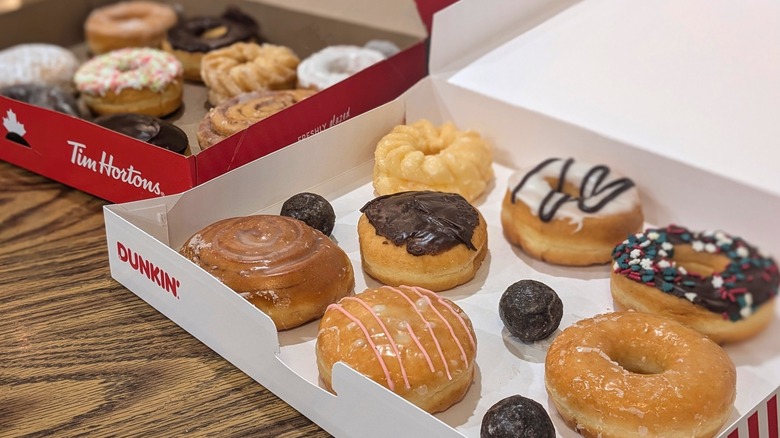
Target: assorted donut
{"points": [[682, 292]]}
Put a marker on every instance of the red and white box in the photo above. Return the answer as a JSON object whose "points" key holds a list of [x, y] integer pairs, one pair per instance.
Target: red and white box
{"points": [[119, 168], [627, 85]]}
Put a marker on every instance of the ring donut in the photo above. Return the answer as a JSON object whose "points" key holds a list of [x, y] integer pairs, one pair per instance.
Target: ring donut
{"points": [[422, 156], [133, 80], [334, 64], [128, 24], [570, 213], [192, 38], [710, 281], [635, 374]]}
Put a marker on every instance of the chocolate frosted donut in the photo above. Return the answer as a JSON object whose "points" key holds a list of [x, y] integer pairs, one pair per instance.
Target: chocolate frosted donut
{"points": [[192, 38], [44, 96], [530, 310], [147, 129], [433, 240], [517, 416], [203, 34]]}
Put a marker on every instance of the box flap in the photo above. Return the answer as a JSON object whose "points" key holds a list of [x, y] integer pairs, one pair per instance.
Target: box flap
{"points": [[691, 81]]}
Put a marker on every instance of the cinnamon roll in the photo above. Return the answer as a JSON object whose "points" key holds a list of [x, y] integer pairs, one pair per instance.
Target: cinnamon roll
{"points": [[238, 113], [284, 267]]}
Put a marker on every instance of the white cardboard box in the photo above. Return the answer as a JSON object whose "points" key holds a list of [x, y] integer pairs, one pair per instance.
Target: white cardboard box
{"points": [[512, 78]]}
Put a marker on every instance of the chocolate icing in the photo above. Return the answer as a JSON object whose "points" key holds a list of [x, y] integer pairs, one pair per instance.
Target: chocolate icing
{"points": [[188, 35], [591, 186], [517, 416], [312, 209], [748, 273], [530, 310], [148, 129], [426, 222], [44, 96]]}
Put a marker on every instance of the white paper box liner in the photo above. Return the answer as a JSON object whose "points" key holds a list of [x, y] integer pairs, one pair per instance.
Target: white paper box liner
{"points": [[338, 164]]}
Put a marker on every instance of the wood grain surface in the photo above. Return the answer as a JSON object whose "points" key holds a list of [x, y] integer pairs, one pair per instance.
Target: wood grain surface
{"points": [[80, 355]]}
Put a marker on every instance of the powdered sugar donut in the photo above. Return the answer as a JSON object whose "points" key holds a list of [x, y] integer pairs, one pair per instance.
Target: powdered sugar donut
{"points": [[334, 64], [134, 80], [37, 63]]}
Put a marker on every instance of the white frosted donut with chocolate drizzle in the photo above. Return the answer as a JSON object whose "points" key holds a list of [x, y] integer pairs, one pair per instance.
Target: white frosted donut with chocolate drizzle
{"points": [[408, 339], [284, 267], [570, 213]]}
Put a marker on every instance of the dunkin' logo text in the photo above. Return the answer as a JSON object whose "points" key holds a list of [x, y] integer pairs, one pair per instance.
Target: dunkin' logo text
{"points": [[105, 166], [148, 269]]}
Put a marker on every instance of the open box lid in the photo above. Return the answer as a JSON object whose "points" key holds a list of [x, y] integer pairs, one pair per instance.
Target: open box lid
{"points": [[695, 81]]}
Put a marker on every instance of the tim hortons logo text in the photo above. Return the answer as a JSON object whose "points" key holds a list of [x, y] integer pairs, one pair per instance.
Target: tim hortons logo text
{"points": [[105, 166], [148, 269]]}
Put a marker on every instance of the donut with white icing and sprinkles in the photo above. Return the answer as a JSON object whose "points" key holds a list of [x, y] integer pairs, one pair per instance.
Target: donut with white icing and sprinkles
{"points": [[133, 80], [715, 283]]}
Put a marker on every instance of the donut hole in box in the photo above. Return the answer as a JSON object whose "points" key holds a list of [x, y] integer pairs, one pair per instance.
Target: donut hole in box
{"points": [[699, 263]]}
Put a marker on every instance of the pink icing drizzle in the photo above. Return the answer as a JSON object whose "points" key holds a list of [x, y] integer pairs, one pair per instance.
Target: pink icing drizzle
{"points": [[387, 333], [390, 383], [447, 323]]}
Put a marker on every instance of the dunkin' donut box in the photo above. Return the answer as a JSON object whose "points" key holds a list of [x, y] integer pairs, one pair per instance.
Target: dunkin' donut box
{"points": [[118, 168], [633, 86]]}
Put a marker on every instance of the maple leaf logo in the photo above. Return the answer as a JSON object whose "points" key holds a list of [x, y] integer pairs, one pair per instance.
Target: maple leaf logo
{"points": [[13, 125]]}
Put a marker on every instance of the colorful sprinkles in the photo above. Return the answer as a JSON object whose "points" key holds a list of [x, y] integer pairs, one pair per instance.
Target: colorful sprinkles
{"points": [[135, 68], [750, 279]]}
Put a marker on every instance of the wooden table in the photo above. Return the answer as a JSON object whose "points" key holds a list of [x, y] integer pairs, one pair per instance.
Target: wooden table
{"points": [[80, 354]]}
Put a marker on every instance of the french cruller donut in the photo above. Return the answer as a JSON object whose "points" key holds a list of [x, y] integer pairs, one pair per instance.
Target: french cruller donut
{"points": [[634, 374], [569, 212], [713, 282]]}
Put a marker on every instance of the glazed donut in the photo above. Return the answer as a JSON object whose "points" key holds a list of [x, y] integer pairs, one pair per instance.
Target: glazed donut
{"points": [[134, 80], [148, 129], [128, 24], [284, 267], [636, 374], [238, 113], [43, 64], [408, 339], [422, 156], [334, 64], [45, 96], [243, 67], [712, 282], [570, 213], [429, 239], [190, 39]]}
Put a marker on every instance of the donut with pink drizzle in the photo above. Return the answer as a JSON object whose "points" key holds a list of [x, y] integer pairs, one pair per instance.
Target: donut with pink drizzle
{"points": [[408, 339], [715, 283], [134, 80]]}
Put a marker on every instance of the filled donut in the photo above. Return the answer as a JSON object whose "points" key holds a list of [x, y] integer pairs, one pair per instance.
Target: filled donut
{"points": [[627, 374], [715, 283], [429, 239], [570, 213], [422, 156], [408, 339], [37, 63]]}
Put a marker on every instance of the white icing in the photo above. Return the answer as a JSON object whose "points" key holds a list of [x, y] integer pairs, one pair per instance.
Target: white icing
{"points": [[334, 64], [537, 187]]}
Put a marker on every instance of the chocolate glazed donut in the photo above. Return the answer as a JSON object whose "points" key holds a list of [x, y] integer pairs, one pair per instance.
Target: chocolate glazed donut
{"points": [[147, 129], [44, 96], [191, 38]]}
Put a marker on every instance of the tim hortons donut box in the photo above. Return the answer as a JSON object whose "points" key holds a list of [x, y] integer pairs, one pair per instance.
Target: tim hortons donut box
{"points": [[119, 168], [639, 87]]}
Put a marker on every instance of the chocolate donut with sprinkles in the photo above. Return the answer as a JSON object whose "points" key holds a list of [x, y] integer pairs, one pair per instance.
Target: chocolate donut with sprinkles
{"points": [[710, 281]]}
